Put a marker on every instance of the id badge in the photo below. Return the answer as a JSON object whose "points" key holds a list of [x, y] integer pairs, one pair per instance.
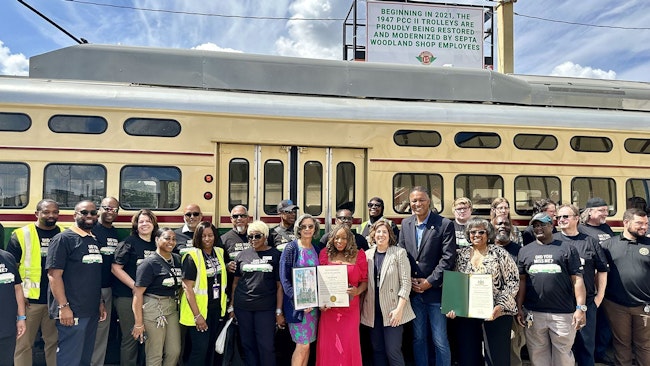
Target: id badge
{"points": [[216, 290]]}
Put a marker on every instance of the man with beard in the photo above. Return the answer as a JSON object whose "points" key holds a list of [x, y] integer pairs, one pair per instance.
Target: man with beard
{"points": [[375, 212], [29, 245], [593, 260], [344, 217], [283, 233], [502, 239], [107, 238], [235, 240], [627, 296], [74, 268], [593, 222]]}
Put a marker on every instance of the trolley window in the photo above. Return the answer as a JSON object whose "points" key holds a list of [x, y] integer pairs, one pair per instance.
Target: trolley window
{"points": [[481, 189], [591, 144], [93, 125], [68, 184], [345, 186], [404, 182], [238, 183], [152, 127], [273, 185], [14, 180], [529, 189], [525, 141], [18, 122], [477, 140], [152, 187], [584, 188], [313, 188], [637, 146], [637, 193], [417, 138]]}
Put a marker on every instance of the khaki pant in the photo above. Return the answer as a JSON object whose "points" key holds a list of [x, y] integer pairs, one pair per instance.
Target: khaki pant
{"points": [[630, 333], [38, 316], [550, 339], [163, 344], [101, 340], [517, 341], [128, 347]]}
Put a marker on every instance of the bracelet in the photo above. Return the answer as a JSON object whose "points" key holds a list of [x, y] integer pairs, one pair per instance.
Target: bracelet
{"points": [[230, 309], [21, 317], [138, 326], [197, 316], [63, 306]]}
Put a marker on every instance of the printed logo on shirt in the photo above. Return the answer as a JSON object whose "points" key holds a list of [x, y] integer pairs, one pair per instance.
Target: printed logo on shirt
{"points": [[169, 281], [644, 251], [109, 249], [147, 254], [92, 258], [45, 244], [545, 268], [603, 236], [7, 277], [258, 265]]}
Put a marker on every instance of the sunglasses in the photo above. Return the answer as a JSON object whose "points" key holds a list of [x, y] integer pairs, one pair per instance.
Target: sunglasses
{"points": [[86, 212], [371, 205], [344, 218], [240, 216], [255, 237], [477, 232], [558, 217], [307, 227], [110, 209], [190, 214]]}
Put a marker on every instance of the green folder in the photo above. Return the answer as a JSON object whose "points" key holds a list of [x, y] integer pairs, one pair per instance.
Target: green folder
{"points": [[457, 292]]}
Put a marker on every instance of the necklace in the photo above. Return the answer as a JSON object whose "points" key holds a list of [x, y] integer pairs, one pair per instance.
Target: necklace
{"points": [[169, 261]]}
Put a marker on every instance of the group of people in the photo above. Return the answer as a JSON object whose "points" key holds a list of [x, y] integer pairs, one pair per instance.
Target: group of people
{"points": [[173, 290]]}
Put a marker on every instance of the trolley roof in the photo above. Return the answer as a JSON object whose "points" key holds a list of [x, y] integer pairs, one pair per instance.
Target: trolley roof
{"points": [[288, 75]]}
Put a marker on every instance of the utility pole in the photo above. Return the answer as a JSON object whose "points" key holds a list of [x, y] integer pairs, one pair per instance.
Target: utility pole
{"points": [[505, 32]]}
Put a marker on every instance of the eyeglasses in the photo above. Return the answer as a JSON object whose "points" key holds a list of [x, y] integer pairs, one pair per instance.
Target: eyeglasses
{"points": [[110, 209], [307, 227], [86, 212], [372, 204], [502, 223], [239, 216], [477, 232], [559, 217], [288, 211], [190, 214], [462, 209], [255, 237], [344, 218]]}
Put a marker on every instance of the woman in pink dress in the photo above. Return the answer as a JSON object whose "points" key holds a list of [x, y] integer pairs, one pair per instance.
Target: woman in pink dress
{"points": [[338, 330]]}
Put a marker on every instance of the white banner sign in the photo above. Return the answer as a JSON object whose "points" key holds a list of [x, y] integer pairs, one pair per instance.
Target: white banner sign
{"points": [[424, 34]]}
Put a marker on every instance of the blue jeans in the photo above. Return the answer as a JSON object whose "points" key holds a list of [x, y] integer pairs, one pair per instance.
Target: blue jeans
{"points": [[76, 343], [585, 342], [429, 315]]}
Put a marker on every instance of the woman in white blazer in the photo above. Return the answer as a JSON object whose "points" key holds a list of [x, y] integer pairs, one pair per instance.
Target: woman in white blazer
{"points": [[386, 306]]}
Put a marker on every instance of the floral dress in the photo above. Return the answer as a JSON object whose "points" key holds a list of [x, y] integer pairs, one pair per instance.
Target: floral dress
{"points": [[305, 331]]}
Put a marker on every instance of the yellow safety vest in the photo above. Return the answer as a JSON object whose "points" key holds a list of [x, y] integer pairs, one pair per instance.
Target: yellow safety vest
{"points": [[201, 287], [30, 261]]}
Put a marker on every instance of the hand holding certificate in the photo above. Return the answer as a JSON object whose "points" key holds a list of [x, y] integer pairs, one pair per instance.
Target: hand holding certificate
{"points": [[320, 286], [467, 295]]}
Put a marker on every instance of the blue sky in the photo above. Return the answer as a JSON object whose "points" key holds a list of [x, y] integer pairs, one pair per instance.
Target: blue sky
{"points": [[611, 51]]}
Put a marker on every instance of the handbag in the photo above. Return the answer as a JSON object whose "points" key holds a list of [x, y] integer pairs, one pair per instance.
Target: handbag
{"points": [[220, 344]]}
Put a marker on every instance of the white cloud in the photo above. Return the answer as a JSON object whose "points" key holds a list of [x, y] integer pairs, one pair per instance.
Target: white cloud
{"points": [[12, 64], [568, 68], [209, 46], [311, 38]]}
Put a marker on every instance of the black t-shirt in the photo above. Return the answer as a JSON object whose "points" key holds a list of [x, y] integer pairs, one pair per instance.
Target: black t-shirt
{"points": [[548, 269], [107, 239], [79, 258], [592, 258], [629, 265], [513, 249], [234, 243], [14, 248], [184, 240], [158, 276], [9, 278], [280, 235], [130, 253], [460, 235], [359, 240], [601, 232], [212, 271], [258, 277]]}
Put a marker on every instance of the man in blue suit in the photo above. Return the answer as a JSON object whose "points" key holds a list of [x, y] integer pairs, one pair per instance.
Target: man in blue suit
{"points": [[430, 241]]}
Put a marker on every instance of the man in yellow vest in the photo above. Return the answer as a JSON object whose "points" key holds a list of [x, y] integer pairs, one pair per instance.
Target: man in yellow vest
{"points": [[29, 246]]}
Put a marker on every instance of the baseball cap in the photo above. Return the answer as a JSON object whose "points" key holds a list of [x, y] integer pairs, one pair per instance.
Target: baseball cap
{"points": [[541, 217], [286, 205], [596, 202]]}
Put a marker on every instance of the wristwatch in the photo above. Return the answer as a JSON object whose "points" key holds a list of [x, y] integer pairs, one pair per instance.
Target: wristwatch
{"points": [[278, 312], [581, 307]]}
